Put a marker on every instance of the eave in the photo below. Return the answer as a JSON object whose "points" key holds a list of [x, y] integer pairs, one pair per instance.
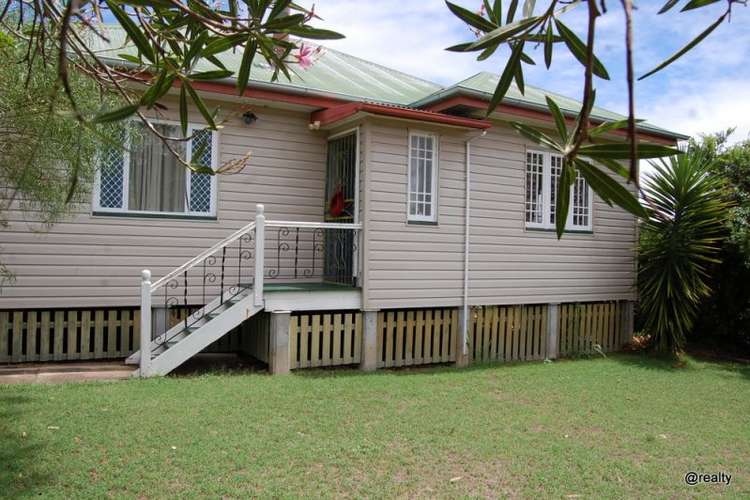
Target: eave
{"points": [[328, 117], [457, 96]]}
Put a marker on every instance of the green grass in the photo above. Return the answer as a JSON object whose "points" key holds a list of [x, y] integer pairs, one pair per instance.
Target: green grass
{"points": [[626, 426]]}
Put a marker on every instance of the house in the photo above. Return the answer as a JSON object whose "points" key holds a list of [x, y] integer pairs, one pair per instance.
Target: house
{"points": [[381, 221]]}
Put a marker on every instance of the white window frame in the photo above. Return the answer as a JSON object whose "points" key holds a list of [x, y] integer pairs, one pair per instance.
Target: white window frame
{"points": [[547, 197], [434, 187], [124, 210]]}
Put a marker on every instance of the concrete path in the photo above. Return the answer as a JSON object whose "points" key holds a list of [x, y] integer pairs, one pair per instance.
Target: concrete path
{"points": [[51, 373]]}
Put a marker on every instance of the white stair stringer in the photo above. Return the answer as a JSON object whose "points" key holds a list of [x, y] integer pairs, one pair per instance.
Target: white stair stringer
{"points": [[177, 332], [188, 345]]}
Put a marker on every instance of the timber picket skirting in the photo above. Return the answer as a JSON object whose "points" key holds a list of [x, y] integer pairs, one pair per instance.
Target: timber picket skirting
{"points": [[325, 339], [68, 334], [589, 327], [416, 337], [405, 337], [33, 335], [507, 333]]}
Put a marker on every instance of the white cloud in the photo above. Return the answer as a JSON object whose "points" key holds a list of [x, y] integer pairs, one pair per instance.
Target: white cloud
{"points": [[705, 91], [707, 107], [407, 36]]}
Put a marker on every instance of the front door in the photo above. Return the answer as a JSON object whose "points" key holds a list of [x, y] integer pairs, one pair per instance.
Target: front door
{"points": [[341, 205]]}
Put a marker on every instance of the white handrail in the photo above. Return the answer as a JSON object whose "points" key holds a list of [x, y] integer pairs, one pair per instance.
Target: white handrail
{"points": [[313, 225], [145, 363], [203, 255], [260, 253], [259, 225], [239, 233]]}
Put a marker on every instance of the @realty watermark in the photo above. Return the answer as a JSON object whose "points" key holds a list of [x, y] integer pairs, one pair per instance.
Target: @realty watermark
{"points": [[694, 478]]}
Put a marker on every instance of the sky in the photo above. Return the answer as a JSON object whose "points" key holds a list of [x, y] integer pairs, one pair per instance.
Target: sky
{"points": [[707, 90]]}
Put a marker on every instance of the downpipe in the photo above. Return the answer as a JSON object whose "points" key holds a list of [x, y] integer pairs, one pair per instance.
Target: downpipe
{"points": [[467, 235]]}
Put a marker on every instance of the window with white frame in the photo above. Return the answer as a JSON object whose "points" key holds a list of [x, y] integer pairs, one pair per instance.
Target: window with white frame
{"points": [[543, 171], [146, 178], [423, 172]]}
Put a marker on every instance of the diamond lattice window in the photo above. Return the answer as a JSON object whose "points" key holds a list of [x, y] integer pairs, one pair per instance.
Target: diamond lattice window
{"points": [[145, 177], [200, 184]]}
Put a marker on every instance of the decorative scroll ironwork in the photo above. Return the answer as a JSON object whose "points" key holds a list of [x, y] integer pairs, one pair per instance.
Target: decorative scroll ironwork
{"points": [[222, 275], [294, 253], [309, 253]]}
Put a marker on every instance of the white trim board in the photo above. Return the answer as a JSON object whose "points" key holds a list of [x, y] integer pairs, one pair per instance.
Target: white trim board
{"points": [[318, 300]]}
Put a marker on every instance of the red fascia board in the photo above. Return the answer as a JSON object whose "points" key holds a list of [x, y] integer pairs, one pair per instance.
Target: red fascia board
{"points": [[458, 100], [268, 95], [337, 113], [473, 102]]}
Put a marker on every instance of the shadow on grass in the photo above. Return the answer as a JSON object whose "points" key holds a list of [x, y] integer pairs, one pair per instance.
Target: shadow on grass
{"points": [[722, 359], [241, 366], [18, 476], [741, 369], [651, 361], [219, 364], [402, 371]]}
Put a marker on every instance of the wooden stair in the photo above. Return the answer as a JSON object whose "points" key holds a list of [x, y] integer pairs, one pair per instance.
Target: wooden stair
{"points": [[205, 326]]}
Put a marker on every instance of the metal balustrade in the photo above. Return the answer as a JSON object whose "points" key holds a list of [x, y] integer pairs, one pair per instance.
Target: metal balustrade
{"points": [[240, 264]]}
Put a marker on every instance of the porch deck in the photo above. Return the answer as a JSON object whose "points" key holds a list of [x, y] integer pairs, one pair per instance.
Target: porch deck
{"points": [[311, 296], [324, 286]]}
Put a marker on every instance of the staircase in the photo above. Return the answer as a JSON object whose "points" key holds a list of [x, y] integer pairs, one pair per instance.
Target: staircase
{"points": [[228, 280], [219, 270], [205, 326]]}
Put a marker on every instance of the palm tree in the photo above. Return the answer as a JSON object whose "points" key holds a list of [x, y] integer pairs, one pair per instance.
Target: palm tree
{"points": [[680, 242]]}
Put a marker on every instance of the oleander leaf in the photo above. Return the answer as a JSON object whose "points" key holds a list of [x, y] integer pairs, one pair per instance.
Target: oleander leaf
{"points": [[686, 48], [578, 49], [116, 114]]}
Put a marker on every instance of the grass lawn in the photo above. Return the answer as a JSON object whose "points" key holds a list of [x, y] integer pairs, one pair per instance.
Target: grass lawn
{"points": [[626, 426]]}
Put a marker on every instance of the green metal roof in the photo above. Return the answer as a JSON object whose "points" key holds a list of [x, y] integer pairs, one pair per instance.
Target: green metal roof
{"points": [[483, 85], [336, 74]]}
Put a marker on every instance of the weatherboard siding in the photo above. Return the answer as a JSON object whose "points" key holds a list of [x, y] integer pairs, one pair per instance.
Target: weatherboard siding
{"points": [[405, 261], [88, 260], [421, 265]]}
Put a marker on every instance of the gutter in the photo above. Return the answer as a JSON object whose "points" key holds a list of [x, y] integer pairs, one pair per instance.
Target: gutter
{"points": [[279, 86], [467, 234], [338, 98]]}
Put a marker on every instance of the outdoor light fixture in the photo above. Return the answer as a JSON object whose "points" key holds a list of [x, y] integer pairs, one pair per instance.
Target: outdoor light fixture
{"points": [[249, 118]]}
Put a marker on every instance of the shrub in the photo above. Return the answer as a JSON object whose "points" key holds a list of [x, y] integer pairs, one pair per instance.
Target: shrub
{"points": [[680, 242]]}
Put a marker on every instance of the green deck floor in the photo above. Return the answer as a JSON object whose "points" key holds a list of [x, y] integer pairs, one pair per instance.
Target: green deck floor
{"points": [[305, 287]]}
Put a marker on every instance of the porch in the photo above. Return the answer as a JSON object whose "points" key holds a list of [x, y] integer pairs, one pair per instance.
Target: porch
{"points": [[266, 265]]}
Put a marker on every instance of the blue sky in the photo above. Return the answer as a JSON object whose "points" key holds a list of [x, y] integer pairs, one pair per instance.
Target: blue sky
{"points": [[707, 90]]}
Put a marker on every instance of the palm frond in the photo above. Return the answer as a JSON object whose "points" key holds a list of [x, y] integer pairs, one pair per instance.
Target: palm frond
{"points": [[679, 243]]}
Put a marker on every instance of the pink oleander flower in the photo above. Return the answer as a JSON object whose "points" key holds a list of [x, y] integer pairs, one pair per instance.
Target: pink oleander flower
{"points": [[481, 12], [310, 14], [306, 55]]}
